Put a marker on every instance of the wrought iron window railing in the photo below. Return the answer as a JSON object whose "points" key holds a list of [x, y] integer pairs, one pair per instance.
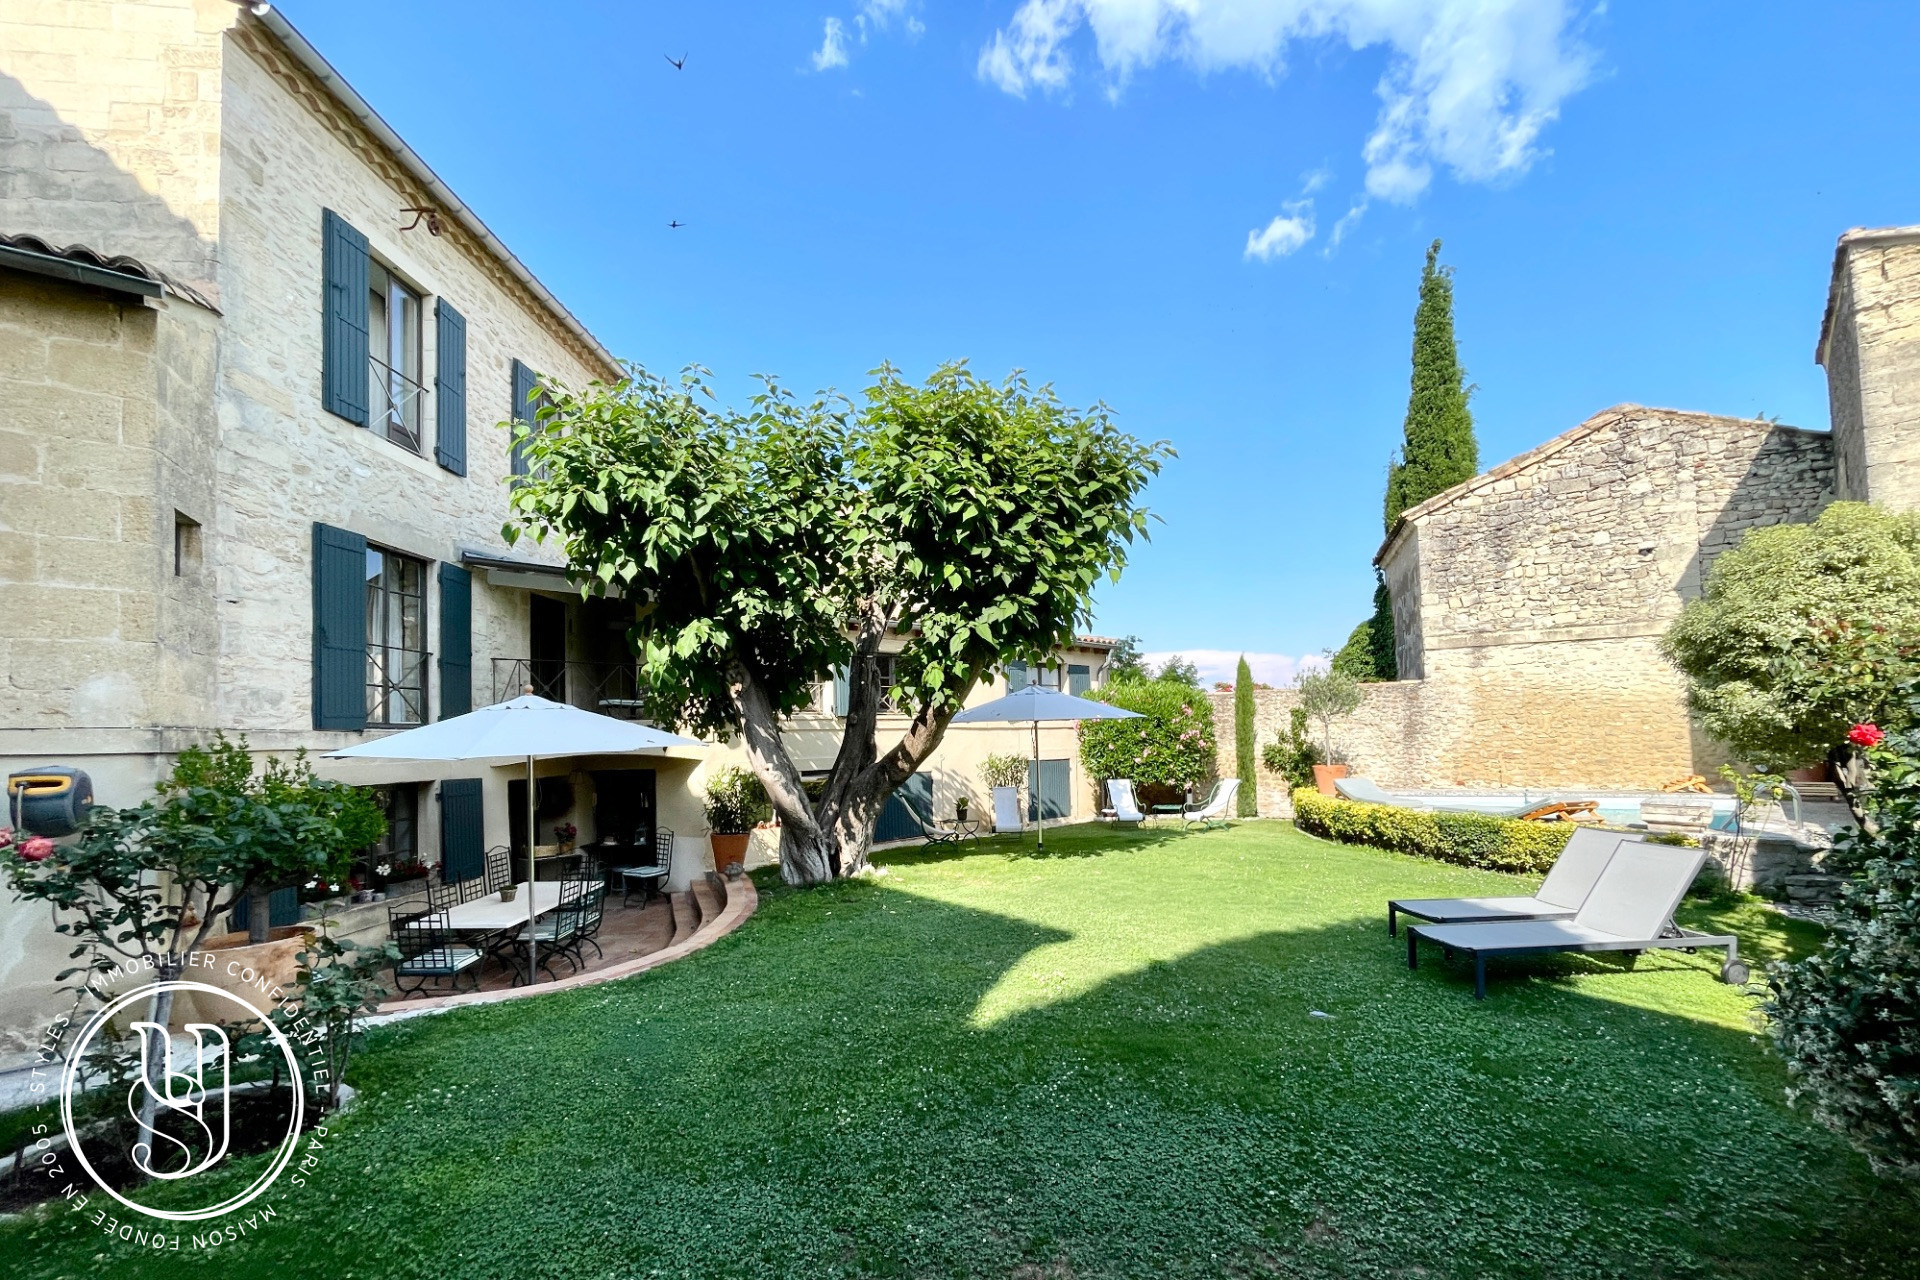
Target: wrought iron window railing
{"points": [[610, 688], [396, 403], [396, 685]]}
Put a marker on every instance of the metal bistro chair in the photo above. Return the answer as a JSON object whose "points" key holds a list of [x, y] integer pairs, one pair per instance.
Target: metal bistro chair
{"points": [[557, 932], [651, 875], [593, 909], [431, 955], [499, 868]]}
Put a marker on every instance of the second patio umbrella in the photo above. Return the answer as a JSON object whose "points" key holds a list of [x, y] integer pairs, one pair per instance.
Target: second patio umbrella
{"points": [[1035, 706]]}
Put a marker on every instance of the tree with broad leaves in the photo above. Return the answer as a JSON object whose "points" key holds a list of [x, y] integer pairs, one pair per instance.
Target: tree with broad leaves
{"points": [[773, 547]]}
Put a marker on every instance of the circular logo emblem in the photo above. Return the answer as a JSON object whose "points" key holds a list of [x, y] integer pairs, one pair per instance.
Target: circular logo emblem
{"points": [[188, 1099]]}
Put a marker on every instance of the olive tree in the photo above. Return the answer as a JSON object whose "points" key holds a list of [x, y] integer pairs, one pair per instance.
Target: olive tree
{"points": [[774, 546]]}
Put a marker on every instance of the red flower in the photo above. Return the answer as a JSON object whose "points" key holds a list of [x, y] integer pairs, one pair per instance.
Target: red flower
{"points": [[38, 849], [1866, 735]]}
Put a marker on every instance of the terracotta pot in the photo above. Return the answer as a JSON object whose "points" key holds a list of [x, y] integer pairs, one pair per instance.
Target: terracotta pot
{"points": [[257, 968], [729, 849], [1324, 775]]}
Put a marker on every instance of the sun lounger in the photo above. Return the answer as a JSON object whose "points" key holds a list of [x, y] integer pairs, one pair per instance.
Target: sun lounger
{"points": [[1630, 909], [1218, 806], [1006, 811], [1364, 790], [1120, 796], [1563, 892]]}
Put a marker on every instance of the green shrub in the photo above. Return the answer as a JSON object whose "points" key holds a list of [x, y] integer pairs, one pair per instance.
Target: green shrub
{"points": [[1171, 747], [1469, 839], [1847, 1018], [1004, 769], [735, 801], [1294, 756]]}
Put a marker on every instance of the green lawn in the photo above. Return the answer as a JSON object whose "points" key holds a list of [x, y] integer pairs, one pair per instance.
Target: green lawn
{"points": [[1100, 1063]]}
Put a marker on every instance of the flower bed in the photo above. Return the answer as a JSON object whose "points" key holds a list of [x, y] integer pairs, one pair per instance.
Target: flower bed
{"points": [[1470, 839]]}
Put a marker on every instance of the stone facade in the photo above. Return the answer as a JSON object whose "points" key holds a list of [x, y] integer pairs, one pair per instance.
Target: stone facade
{"points": [[1870, 347], [1534, 597]]}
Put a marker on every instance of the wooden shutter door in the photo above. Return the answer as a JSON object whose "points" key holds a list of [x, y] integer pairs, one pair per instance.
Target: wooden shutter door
{"points": [[901, 818], [463, 842], [450, 389], [343, 330], [842, 692], [456, 641], [339, 629]]}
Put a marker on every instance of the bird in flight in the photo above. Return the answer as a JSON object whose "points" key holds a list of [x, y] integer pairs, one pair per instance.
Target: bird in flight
{"points": [[675, 225], [679, 63]]}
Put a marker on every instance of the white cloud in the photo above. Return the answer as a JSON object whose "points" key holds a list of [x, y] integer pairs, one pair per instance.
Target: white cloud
{"points": [[1348, 221], [1276, 669], [1470, 85], [880, 14], [833, 48], [1286, 233]]}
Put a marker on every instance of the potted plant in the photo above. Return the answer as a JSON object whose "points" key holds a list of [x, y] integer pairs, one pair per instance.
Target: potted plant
{"points": [[960, 808], [1327, 695], [1003, 773], [735, 802], [565, 834]]}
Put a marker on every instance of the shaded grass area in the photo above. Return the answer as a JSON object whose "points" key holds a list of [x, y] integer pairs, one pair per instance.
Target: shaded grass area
{"points": [[1105, 1062]]}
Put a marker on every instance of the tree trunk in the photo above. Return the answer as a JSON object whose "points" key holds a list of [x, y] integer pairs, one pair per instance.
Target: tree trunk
{"points": [[259, 914], [831, 840], [156, 1058], [1850, 777]]}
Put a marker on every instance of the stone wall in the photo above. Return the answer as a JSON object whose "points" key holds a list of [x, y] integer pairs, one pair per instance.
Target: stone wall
{"points": [[1870, 345]]}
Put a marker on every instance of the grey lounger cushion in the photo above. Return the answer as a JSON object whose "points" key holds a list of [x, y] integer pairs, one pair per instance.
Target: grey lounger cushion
{"points": [[1629, 908], [1572, 877], [1366, 792]]}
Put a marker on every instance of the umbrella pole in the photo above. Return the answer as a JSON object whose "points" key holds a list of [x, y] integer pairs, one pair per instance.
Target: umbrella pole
{"points": [[533, 942], [1039, 809]]}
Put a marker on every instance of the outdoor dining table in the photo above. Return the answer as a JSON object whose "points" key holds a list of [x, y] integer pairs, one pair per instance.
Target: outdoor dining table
{"points": [[490, 915]]}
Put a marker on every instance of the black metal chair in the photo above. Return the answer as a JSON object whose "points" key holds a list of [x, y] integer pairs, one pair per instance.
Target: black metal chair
{"points": [[430, 955], [593, 910], [651, 875], [499, 868], [557, 933]]}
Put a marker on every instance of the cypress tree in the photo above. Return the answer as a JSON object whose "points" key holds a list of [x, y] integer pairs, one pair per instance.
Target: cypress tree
{"points": [[1438, 449], [1247, 803]]}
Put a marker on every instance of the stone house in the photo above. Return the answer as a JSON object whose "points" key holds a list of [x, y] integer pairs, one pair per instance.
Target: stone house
{"points": [[1528, 602], [254, 355]]}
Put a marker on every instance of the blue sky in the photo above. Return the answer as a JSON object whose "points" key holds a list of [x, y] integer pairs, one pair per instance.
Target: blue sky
{"points": [[1640, 200]]}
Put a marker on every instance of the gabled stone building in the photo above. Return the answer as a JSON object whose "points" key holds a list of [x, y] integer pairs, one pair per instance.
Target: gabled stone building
{"points": [[1528, 601]]}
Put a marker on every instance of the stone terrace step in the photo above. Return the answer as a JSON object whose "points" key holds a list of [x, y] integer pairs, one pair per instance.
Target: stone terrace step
{"points": [[686, 916], [708, 900]]}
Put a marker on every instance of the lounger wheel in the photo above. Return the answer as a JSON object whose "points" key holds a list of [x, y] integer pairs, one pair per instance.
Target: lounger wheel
{"points": [[1735, 973]]}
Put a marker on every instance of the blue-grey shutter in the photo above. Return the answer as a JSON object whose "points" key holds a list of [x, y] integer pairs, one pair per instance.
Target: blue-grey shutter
{"points": [[907, 811], [450, 389], [1079, 679], [283, 909], [343, 331], [1048, 782], [842, 692], [339, 629], [1018, 677], [524, 382], [456, 641], [463, 845]]}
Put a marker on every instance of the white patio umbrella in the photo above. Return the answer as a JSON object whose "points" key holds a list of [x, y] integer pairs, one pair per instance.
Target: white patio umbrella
{"points": [[1035, 706], [527, 728]]}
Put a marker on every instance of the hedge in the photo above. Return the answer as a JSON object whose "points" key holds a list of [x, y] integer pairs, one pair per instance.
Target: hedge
{"points": [[1470, 839]]}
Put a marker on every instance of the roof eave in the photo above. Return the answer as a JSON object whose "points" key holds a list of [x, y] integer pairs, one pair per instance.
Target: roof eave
{"points": [[316, 65]]}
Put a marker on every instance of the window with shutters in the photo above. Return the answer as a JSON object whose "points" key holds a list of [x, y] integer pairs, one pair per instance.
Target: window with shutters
{"points": [[396, 638], [393, 344], [1079, 678], [525, 401]]}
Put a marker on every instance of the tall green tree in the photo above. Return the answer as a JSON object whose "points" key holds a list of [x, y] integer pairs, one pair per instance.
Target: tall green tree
{"points": [[1437, 451], [968, 519], [1247, 802]]}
